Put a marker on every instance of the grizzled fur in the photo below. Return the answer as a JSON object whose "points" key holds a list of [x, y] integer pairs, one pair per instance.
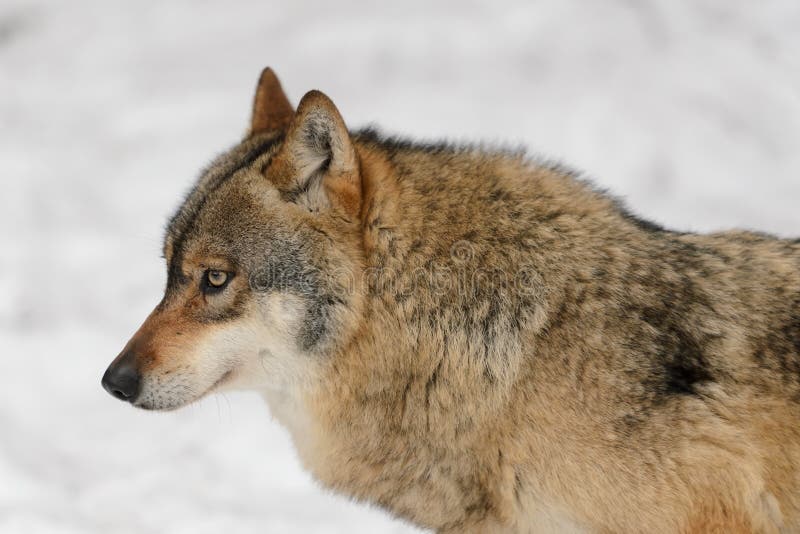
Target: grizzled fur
{"points": [[478, 342]]}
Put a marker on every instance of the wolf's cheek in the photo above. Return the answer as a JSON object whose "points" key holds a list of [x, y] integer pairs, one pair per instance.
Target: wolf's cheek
{"points": [[271, 354], [260, 349]]}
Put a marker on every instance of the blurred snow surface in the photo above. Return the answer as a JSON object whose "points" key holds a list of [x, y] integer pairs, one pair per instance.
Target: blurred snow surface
{"points": [[689, 109]]}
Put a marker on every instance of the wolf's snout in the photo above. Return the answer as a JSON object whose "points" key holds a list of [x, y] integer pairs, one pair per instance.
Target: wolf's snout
{"points": [[122, 379]]}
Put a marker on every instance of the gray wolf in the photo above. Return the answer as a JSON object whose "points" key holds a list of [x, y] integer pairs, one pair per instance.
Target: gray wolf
{"points": [[477, 341]]}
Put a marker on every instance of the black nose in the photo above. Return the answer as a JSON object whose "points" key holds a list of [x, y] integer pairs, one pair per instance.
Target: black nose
{"points": [[122, 380]]}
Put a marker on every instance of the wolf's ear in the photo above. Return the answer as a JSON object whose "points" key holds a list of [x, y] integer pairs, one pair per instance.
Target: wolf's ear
{"points": [[271, 108], [319, 156]]}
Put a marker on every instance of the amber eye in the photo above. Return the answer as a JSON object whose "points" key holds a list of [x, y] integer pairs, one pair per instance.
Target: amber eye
{"points": [[215, 280]]}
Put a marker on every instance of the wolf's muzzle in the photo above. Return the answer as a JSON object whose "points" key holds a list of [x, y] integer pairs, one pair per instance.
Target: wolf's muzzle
{"points": [[122, 378]]}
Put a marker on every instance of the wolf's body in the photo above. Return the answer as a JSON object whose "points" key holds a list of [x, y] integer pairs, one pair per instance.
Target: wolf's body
{"points": [[481, 343]]}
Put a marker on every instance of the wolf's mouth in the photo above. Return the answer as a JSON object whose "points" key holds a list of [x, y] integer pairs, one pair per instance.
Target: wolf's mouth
{"points": [[219, 381], [156, 407]]}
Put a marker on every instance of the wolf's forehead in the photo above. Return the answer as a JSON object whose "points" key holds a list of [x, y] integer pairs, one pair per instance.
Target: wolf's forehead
{"points": [[252, 152]]}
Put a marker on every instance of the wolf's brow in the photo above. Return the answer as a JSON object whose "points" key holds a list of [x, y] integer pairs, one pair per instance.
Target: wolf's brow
{"points": [[193, 205]]}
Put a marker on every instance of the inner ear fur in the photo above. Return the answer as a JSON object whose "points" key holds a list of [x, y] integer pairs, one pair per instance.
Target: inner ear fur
{"points": [[320, 157]]}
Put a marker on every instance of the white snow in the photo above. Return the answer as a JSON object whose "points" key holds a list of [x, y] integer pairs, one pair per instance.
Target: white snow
{"points": [[690, 110]]}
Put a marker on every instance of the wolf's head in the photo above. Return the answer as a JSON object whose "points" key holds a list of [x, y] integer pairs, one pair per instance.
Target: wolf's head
{"points": [[261, 261]]}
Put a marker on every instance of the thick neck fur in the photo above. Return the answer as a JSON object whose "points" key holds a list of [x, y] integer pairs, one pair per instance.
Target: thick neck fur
{"points": [[423, 391]]}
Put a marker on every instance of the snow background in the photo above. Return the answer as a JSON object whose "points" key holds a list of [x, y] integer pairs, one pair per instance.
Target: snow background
{"points": [[689, 109]]}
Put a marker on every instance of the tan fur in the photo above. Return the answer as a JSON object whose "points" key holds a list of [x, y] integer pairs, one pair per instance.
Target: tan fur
{"points": [[504, 348], [271, 109]]}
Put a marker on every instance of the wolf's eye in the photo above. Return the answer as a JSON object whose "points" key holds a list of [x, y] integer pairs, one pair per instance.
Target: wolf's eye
{"points": [[217, 278], [214, 280]]}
